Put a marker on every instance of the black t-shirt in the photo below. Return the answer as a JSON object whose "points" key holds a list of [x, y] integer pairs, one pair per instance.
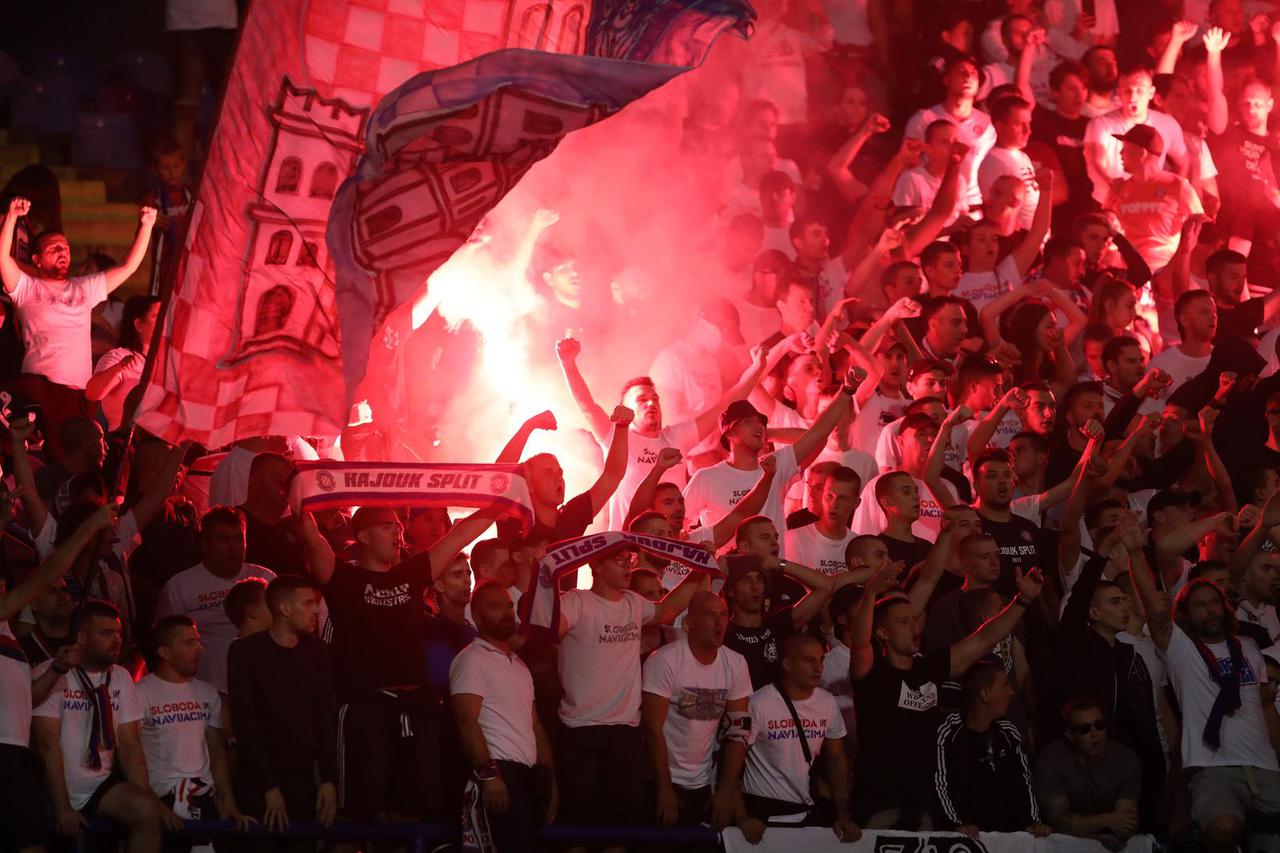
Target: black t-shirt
{"points": [[910, 553], [1243, 320], [274, 546], [802, 517], [1066, 137], [574, 519], [378, 625], [898, 717], [1245, 161], [1019, 543], [948, 583], [762, 647]]}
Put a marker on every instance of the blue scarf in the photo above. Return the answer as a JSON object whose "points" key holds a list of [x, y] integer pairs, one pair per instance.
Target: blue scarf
{"points": [[1228, 701]]}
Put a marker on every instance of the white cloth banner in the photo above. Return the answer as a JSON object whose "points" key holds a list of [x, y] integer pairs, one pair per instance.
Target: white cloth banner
{"points": [[819, 839]]}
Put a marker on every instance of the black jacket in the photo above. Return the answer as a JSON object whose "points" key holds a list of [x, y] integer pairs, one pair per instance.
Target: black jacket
{"points": [[983, 778]]}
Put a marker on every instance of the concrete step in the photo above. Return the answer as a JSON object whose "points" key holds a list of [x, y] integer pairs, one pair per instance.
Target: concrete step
{"points": [[79, 193]]}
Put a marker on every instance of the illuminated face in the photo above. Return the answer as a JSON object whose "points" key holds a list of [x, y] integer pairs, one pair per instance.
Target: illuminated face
{"points": [[852, 109], [985, 391], [984, 242], [1127, 368], [839, 500], [796, 306], [944, 274], [893, 366], [1103, 70], [101, 638], [1135, 91], [1016, 131], [749, 433], [1132, 157], [995, 484], [1229, 286], [707, 620], [869, 552], [761, 539], [52, 257], [1121, 311], [644, 401], [899, 629], [1200, 319], [565, 284], [614, 570], [384, 539], [184, 651], [939, 144], [1007, 194], [1048, 335], [1040, 411], [171, 169], [804, 378], [670, 502], [947, 329], [455, 584], [1027, 458], [930, 383], [903, 499], [1255, 106], [905, 282], [546, 480], [813, 243], [982, 561], [1087, 405], [803, 666]]}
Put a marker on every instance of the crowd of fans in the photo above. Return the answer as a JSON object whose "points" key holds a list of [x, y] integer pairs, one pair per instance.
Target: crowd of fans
{"points": [[986, 444]]}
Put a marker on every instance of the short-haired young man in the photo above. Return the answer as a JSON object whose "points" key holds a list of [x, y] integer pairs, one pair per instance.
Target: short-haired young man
{"points": [[822, 544]]}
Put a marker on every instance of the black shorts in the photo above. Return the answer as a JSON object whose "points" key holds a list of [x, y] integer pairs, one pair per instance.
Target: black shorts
{"points": [[95, 801], [23, 816], [601, 772], [389, 755]]}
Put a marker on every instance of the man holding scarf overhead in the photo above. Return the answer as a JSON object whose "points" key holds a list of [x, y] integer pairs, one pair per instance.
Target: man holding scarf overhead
{"points": [[599, 630], [1227, 716]]}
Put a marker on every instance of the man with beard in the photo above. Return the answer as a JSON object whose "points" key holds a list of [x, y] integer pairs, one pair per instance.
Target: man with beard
{"points": [[1228, 276], [647, 437], [1103, 72], [86, 734], [689, 686], [1226, 717], [54, 312], [182, 731], [492, 699]]}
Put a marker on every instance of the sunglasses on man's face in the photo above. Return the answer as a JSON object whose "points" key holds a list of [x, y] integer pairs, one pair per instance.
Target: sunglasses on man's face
{"points": [[1085, 728]]}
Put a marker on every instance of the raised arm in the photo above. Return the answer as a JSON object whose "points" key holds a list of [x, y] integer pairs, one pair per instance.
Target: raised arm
{"points": [[1014, 398], [154, 496], [321, 560], [1183, 32], [1022, 74], [811, 442], [615, 461], [57, 564], [1154, 603], [1212, 461], [1216, 116], [597, 419], [9, 269], [1024, 255], [117, 276], [462, 534], [668, 458], [706, 422], [103, 382], [677, 601], [514, 448], [838, 166], [939, 213], [936, 460], [751, 504], [935, 562], [862, 653], [815, 600], [37, 513], [965, 653]]}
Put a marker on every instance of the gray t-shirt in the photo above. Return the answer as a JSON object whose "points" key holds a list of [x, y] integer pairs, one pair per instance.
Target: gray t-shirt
{"points": [[1089, 790]]}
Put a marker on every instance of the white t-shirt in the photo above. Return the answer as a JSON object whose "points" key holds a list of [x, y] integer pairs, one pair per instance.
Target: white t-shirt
{"points": [[975, 131], [869, 518], [174, 720], [600, 658], [835, 680], [757, 323], [505, 688], [982, 287], [113, 403], [15, 690], [889, 455], [918, 188], [1100, 131], [775, 763], [55, 318], [713, 492], [229, 483], [1263, 616], [1179, 366], [68, 703], [199, 593], [873, 416], [698, 694], [642, 453], [863, 463], [809, 547], [1244, 733], [1011, 161]]}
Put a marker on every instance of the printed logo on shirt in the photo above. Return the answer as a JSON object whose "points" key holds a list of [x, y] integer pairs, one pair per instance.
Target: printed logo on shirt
{"points": [[78, 700], [1247, 675], [611, 634], [702, 703], [394, 596], [923, 698], [785, 729], [188, 711], [211, 600], [832, 567]]}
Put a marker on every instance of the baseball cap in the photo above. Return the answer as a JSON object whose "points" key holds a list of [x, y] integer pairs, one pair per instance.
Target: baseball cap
{"points": [[925, 365], [739, 410], [722, 314], [739, 566], [1144, 136], [1166, 498]]}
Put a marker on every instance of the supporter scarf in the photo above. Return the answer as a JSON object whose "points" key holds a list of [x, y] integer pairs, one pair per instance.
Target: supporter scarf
{"points": [[102, 725], [327, 484], [1228, 701], [540, 605]]}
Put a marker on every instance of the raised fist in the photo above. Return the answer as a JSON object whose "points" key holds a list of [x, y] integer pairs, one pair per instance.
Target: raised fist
{"points": [[567, 349], [854, 377], [960, 414], [668, 457], [877, 123], [769, 464], [905, 307], [543, 420], [1184, 30], [622, 416], [19, 206], [1093, 429], [147, 216], [1016, 398], [1030, 584]]}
